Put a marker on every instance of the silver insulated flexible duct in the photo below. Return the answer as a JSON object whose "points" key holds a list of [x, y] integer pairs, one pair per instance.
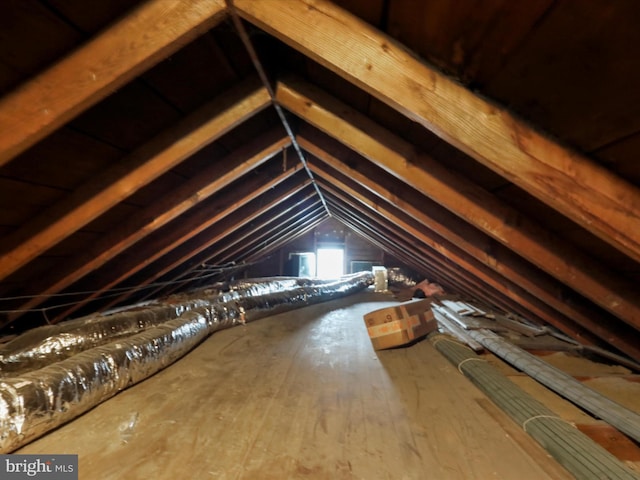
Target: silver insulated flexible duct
{"points": [[51, 375]]}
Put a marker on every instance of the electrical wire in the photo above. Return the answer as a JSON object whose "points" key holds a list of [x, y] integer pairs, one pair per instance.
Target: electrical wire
{"points": [[89, 292], [109, 294]]}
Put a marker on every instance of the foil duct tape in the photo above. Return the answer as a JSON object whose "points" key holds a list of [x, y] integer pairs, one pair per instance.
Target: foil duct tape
{"points": [[42, 399]]}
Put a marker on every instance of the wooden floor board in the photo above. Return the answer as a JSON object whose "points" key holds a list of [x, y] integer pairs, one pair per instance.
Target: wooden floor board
{"points": [[302, 395]]}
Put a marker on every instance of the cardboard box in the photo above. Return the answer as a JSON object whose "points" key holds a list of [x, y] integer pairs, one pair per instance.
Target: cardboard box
{"points": [[395, 326]]}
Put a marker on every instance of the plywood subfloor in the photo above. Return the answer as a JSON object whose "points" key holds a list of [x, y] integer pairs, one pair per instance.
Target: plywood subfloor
{"points": [[302, 395]]}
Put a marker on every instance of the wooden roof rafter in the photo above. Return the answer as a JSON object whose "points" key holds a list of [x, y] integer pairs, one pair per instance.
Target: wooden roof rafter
{"points": [[189, 250], [448, 266], [169, 242], [265, 229], [166, 209], [524, 293], [436, 266], [593, 197], [341, 212], [271, 233], [482, 290], [281, 241], [138, 169], [105, 63], [349, 59], [455, 235], [462, 197]]}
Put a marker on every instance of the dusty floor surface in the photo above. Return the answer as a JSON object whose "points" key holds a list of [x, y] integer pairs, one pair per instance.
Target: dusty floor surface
{"points": [[302, 395]]}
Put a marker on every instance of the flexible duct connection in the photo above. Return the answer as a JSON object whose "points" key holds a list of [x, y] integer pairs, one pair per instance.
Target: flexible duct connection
{"points": [[39, 400], [44, 345]]}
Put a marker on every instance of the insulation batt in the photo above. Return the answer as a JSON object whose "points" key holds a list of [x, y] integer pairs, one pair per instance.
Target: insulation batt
{"points": [[82, 373], [398, 278]]}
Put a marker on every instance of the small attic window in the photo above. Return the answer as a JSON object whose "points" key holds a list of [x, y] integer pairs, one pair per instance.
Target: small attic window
{"points": [[330, 262]]}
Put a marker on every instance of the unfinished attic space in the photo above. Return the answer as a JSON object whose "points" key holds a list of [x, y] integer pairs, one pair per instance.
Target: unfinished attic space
{"points": [[349, 239]]}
